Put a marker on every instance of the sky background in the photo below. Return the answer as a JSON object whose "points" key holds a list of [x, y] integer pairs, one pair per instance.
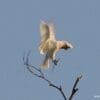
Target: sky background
{"points": [[77, 21]]}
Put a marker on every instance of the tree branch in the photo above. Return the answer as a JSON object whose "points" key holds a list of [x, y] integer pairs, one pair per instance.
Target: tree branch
{"points": [[38, 73], [75, 89]]}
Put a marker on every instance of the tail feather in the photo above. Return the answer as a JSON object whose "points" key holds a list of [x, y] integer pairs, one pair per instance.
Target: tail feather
{"points": [[45, 64]]}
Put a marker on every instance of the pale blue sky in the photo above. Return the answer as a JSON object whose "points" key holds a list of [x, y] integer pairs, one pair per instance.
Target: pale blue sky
{"points": [[76, 20]]}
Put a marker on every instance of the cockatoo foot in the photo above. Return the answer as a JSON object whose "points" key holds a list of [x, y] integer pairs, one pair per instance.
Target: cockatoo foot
{"points": [[55, 61]]}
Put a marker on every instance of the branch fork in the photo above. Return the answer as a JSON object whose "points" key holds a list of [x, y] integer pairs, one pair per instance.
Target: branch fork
{"points": [[38, 73]]}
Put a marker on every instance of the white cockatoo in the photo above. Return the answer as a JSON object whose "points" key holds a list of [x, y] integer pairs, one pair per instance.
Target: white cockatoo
{"points": [[49, 45]]}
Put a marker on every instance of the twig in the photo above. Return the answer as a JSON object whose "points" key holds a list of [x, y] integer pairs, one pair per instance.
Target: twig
{"points": [[75, 89]]}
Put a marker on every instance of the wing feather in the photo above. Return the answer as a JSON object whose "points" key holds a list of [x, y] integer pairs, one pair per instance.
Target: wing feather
{"points": [[44, 30], [52, 31]]}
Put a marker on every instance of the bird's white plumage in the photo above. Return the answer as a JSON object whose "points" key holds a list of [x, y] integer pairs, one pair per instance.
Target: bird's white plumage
{"points": [[49, 45]]}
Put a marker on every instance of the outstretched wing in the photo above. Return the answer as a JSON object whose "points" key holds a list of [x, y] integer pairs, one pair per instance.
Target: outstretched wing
{"points": [[52, 31], [44, 30], [47, 35]]}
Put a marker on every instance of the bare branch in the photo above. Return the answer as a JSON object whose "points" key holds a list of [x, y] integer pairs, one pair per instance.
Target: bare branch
{"points": [[38, 73], [75, 89]]}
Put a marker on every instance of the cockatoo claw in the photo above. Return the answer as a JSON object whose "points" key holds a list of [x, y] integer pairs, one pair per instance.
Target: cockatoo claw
{"points": [[55, 61]]}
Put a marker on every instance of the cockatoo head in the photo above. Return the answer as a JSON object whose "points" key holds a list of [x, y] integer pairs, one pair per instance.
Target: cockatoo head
{"points": [[66, 45]]}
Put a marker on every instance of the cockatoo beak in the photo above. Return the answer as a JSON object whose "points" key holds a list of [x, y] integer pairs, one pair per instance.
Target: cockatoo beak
{"points": [[68, 46]]}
